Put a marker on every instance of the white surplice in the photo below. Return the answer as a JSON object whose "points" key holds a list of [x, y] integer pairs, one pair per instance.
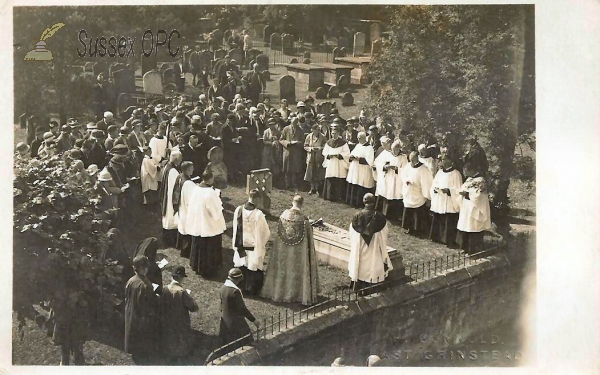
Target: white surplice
{"points": [[256, 234], [158, 147], [360, 174], [169, 221], [149, 175], [335, 167], [474, 212], [441, 203], [204, 217], [366, 261], [188, 191], [417, 192], [389, 183]]}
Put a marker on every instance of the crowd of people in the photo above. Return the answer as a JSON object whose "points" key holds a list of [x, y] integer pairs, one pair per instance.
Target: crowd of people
{"points": [[158, 159]]}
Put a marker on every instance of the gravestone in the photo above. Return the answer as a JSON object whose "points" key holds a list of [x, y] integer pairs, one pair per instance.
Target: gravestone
{"points": [[306, 55], [325, 108], [347, 99], [287, 88], [262, 180], [251, 57], [124, 81], [337, 52], [217, 167], [218, 36], [219, 54], [267, 31], [343, 82], [168, 76], [148, 63], [125, 101], [294, 61], [287, 44], [152, 82], [236, 54], [306, 61], [343, 51], [88, 67], [376, 47], [275, 41], [321, 93], [375, 32], [263, 62], [359, 44], [163, 67], [23, 121], [343, 42], [186, 60], [114, 67], [205, 58], [100, 67], [334, 92], [177, 70]]}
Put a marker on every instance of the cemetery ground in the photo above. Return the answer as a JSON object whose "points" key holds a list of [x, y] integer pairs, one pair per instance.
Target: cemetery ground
{"points": [[104, 347]]}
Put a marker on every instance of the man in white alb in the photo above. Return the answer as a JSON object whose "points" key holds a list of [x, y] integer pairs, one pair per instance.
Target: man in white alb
{"points": [[360, 177], [416, 186], [474, 217], [388, 168], [337, 154], [445, 203], [169, 218]]}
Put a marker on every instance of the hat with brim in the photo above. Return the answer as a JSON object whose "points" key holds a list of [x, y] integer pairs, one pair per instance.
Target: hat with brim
{"points": [[97, 134], [104, 175], [23, 148], [235, 274], [92, 169], [48, 136], [118, 159], [40, 130], [91, 126], [179, 271], [119, 149]]}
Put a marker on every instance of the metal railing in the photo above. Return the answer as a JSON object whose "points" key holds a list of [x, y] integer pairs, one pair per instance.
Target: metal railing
{"points": [[287, 319]]}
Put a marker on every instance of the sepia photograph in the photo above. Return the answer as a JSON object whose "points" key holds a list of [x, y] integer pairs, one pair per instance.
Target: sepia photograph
{"points": [[347, 185]]}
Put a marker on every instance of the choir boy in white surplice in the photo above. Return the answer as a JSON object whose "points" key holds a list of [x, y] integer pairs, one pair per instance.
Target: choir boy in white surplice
{"points": [[149, 176], [206, 225], [169, 218], [474, 217], [369, 261], [388, 167], [250, 235], [360, 177], [416, 186], [184, 194], [337, 154], [445, 203]]}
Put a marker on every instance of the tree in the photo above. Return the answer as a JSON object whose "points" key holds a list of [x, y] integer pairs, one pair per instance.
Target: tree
{"points": [[462, 71]]}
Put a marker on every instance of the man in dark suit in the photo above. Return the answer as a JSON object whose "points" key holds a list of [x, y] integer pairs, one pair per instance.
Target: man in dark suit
{"points": [[195, 153], [234, 312]]}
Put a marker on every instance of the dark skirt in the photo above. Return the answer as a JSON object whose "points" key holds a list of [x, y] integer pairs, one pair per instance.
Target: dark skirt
{"points": [[184, 243], [416, 220], [206, 256], [443, 228], [392, 209], [334, 189], [169, 237], [228, 335], [253, 280], [470, 242], [355, 195]]}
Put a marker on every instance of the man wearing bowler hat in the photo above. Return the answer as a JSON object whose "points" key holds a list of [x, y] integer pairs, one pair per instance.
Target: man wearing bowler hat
{"points": [[234, 312], [176, 303]]}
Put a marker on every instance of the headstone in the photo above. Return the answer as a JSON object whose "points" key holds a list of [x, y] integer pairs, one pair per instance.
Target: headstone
{"points": [[343, 82], [275, 41], [294, 61], [205, 57], [325, 108], [114, 67], [124, 81], [306, 55], [287, 41], [287, 88], [343, 51], [343, 42], [267, 31], [376, 47], [321, 93], [152, 82], [337, 52], [347, 99], [219, 54], [375, 32], [262, 180], [100, 67], [359, 43], [251, 57], [88, 67], [148, 63], [263, 62], [23, 121], [168, 76], [163, 67], [217, 167], [306, 61], [236, 54], [334, 92]]}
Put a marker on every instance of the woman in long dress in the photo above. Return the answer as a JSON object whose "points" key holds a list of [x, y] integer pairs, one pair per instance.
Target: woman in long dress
{"points": [[315, 173], [272, 151]]}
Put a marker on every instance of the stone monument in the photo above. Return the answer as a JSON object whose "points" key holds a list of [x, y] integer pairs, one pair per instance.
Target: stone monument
{"points": [[217, 167], [359, 44], [262, 180]]}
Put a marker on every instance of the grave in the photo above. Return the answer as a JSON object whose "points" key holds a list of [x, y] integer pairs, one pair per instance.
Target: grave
{"points": [[359, 44], [263, 62], [287, 88], [124, 81], [308, 75], [217, 167], [251, 57], [306, 61], [100, 67], [332, 246], [333, 92], [267, 31], [333, 72], [236, 54], [306, 55], [163, 67], [287, 44], [88, 67], [262, 180], [152, 83], [275, 41], [114, 67], [375, 32], [325, 108], [321, 93], [376, 47], [347, 100], [168, 76], [343, 42], [343, 82], [360, 65], [148, 63]]}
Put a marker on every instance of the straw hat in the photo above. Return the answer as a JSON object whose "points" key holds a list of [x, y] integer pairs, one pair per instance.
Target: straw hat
{"points": [[104, 175]]}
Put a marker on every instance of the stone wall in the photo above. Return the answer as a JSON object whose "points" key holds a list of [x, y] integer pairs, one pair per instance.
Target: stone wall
{"points": [[409, 322]]}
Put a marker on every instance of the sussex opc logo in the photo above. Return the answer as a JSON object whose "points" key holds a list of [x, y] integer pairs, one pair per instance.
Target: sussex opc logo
{"points": [[41, 53]]}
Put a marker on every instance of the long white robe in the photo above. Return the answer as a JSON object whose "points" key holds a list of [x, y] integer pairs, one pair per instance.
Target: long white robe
{"points": [[359, 174], [204, 218], [256, 234], [169, 221], [149, 174], [474, 212], [188, 193], [335, 167], [417, 192], [158, 147], [441, 203], [366, 261], [389, 184]]}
